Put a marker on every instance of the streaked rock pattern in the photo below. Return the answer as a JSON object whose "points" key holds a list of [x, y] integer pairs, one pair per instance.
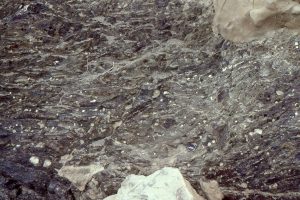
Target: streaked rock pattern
{"points": [[139, 85]]}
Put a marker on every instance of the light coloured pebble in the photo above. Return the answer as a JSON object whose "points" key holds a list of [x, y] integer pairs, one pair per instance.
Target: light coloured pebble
{"points": [[156, 94], [47, 163], [279, 93], [258, 131], [40, 145], [34, 160]]}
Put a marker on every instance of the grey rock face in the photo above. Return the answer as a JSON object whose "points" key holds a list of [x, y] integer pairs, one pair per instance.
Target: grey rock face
{"points": [[133, 85]]}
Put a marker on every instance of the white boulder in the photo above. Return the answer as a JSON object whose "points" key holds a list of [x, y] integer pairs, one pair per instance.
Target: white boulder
{"points": [[165, 184]]}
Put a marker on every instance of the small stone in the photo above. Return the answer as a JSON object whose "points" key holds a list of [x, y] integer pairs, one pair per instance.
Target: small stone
{"points": [[156, 94], [34, 160], [191, 146], [258, 131], [244, 185], [40, 145], [47, 163], [279, 93], [211, 189]]}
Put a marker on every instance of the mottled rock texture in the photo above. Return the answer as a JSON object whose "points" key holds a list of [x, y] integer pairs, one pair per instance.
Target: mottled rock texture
{"points": [[139, 85]]}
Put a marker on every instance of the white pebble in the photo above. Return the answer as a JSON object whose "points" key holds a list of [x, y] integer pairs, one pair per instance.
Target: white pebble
{"points": [[34, 160], [47, 163], [156, 94], [279, 93], [258, 131], [209, 144]]}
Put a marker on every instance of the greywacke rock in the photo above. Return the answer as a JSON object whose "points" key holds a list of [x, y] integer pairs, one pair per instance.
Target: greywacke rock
{"points": [[131, 85]]}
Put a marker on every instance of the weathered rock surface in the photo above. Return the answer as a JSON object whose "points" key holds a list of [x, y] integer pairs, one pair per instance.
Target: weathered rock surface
{"points": [[80, 175], [211, 190], [139, 85], [164, 184], [241, 20]]}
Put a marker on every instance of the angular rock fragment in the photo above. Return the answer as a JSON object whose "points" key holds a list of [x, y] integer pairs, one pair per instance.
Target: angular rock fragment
{"points": [[211, 190], [165, 184], [79, 175]]}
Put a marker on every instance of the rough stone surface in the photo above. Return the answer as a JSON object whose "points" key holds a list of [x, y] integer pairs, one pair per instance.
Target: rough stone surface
{"points": [[82, 78], [34, 160], [211, 190], [164, 184], [242, 20], [79, 175]]}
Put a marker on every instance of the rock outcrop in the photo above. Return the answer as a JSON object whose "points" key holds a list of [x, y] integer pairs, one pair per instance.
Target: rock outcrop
{"points": [[137, 85]]}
